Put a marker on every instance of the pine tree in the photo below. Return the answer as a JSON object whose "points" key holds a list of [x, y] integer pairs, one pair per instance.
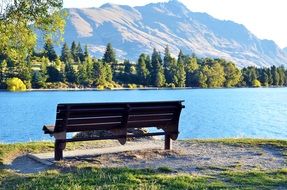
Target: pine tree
{"points": [[80, 53], [142, 71], [66, 55], [49, 50], [181, 75], [86, 52], [282, 76], [167, 61], [70, 73], [191, 72], [275, 75], [157, 77], [180, 58], [109, 55], [74, 51]]}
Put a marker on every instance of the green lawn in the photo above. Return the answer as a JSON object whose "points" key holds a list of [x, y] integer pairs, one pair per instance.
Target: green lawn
{"points": [[87, 177]]}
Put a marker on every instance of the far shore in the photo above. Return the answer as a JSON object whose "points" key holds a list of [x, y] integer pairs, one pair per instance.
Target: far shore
{"points": [[144, 88]]}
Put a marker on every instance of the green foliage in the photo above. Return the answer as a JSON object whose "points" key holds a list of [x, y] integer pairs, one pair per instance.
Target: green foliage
{"points": [[17, 36], [15, 84], [66, 55], [142, 70], [70, 73], [75, 68], [109, 55], [256, 83], [157, 72], [232, 75], [49, 50]]}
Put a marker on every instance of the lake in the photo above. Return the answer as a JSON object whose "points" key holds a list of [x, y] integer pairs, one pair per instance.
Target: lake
{"points": [[208, 113]]}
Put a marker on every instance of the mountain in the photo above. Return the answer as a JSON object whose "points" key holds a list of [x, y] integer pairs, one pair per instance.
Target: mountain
{"points": [[133, 30], [285, 50]]}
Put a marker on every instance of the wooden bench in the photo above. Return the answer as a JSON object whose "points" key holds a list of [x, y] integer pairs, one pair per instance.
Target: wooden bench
{"points": [[116, 117]]}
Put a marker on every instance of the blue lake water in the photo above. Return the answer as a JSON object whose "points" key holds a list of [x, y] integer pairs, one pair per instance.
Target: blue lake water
{"points": [[209, 113]]}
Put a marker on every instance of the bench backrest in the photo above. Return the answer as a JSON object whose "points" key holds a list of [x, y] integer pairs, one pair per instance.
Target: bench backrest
{"points": [[107, 116]]}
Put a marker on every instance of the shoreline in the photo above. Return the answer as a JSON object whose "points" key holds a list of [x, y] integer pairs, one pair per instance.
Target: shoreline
{"points": [[145, 88]]}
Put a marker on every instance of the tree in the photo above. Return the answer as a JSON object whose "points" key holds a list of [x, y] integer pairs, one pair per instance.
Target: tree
{"points": [[249, 75], [202, 78], [282, 77], [275, 75], [216, 75], [264, 77], [232, 75], [167, 64], [38, 80], [15, 84], [180, 58], [80, 53], [191, 72], [109, 55], [49, 50], [66, 55], [100, 74], [142, 71], [74, 51], [54, 75], [86, 53], [181, 75], [157, 74], [16, 18], [70, 73]]}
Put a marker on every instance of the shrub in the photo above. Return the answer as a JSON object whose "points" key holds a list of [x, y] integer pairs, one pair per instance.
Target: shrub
{"points": [[132, 86], [256, 83], [15, 84]]}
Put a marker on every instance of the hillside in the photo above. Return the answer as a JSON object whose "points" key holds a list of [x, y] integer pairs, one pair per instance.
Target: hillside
{"points": [[133, 30]]}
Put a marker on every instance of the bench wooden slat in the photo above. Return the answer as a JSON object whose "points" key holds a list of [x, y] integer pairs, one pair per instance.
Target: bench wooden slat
{"points": [[91, 127], [150, 116], [87, 120], [114, 137]]}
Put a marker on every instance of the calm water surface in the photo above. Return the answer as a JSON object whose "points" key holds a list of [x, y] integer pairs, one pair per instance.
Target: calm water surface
{"points": [[209, 113]]}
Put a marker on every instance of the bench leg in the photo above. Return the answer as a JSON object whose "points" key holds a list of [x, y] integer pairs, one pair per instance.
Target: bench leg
{"points": [[59, 147], [167, 142]]}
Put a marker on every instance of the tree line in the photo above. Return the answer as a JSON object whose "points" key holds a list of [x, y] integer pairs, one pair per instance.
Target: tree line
{"points": [[75, 67]]}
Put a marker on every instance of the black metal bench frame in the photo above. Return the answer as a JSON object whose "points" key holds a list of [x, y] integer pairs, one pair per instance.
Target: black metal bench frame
{"points": [[116, 117]]}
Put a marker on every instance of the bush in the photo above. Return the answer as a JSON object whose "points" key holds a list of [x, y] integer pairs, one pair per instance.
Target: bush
{"points": [[132, 86], [15, 84], [256, 83]]}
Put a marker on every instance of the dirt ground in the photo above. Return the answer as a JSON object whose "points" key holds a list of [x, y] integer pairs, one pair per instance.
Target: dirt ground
{"points": [[187, 157]]}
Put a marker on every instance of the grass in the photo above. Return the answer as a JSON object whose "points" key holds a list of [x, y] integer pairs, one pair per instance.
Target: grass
{"points": [[124, 178], [115, 178], [85, 176], [245, 141], [9, 151]]}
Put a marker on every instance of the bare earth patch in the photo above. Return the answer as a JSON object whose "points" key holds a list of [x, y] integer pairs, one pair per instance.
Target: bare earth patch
{"points": [[188, 157]]}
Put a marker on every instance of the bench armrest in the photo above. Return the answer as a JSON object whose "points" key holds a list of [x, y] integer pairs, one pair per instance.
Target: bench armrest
{"points": [[48, 129]]}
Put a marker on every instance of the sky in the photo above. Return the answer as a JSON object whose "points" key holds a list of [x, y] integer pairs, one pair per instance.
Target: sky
{"points": [[264, 18]]}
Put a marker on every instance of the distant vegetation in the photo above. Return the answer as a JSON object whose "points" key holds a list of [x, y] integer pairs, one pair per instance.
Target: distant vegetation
{"points": [[76, 68], [22, 67]]}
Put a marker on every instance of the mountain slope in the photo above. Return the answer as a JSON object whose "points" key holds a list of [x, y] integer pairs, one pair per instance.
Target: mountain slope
{"points": [[133, 30]]}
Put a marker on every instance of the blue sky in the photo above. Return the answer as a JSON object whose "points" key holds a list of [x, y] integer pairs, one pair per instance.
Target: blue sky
{"points": [[265, 18]]}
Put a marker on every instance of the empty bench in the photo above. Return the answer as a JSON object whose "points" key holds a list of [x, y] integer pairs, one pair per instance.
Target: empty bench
{"points": [[115, 117]]}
